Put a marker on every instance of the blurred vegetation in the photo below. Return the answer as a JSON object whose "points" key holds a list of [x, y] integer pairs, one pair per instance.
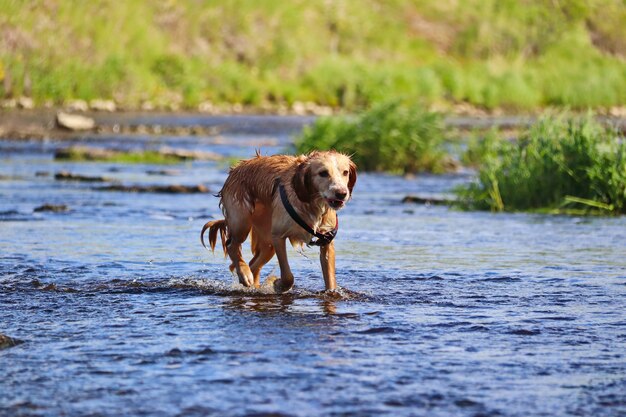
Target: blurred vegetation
{"points": [[350, 54], [78, 154], [390, 137], [561, 164], [480, 145]]}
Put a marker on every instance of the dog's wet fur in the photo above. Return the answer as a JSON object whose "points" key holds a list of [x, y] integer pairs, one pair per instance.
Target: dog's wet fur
{"points": [[317, 185]]}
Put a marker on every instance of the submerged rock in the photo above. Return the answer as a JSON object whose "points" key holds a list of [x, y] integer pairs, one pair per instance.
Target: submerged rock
{"points": [[184, 154], [161, 155], [7, 342], [74, 121], [164, 172], [84, 153], [54, 208], [433, 201], [163, 189], [68, 176]]}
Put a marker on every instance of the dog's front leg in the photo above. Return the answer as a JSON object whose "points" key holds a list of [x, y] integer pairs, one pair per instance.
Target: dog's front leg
{"points": [[286, 277], [327, 259]]}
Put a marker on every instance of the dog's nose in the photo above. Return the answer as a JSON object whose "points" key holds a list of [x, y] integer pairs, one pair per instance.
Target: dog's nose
{"points": [[341, 194]]}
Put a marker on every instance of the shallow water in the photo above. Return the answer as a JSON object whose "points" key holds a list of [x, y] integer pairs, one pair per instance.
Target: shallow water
{"points": [[442, 312]]}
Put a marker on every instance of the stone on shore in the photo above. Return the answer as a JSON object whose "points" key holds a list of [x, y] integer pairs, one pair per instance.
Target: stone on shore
{"points": [[25, 103], [74, 121], [76, 105], [102, 105]]}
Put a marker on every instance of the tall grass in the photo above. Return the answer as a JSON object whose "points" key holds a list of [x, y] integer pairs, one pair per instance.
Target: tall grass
{"points": [[390, 137], [560, 164]]}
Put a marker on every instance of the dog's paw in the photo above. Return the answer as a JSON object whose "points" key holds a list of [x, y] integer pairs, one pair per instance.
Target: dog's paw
{"points": [[280, 286], [245, 278], [335, 293]]}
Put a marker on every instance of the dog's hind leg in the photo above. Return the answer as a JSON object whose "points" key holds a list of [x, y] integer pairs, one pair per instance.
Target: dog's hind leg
{"points": [[239, 226], [260, 239], [263, 252]]}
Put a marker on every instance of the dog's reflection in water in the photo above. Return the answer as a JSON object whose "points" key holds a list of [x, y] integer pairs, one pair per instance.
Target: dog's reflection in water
{"points": [[270, 303]]}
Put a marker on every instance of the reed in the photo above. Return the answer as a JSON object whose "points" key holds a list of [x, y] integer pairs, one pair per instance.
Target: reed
{"points": [[562, 164], [390, 137]]}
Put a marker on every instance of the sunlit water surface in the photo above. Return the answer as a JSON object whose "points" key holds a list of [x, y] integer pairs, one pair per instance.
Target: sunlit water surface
{"points": [[442, 313]]}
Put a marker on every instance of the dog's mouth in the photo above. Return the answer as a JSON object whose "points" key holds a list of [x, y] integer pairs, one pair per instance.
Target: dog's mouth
{"points": [[335, 203]]}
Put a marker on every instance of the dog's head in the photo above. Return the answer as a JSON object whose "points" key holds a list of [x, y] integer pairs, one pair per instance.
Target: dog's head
{"points": [[327, 175]]}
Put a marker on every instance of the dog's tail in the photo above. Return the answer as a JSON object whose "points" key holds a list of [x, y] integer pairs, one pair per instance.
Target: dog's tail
{"points": [[215, 226]]}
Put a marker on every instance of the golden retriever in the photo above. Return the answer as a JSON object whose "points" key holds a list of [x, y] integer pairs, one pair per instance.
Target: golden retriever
{"points": [[274, 198]]}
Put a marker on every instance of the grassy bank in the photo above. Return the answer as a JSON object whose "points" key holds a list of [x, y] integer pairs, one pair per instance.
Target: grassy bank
{"points": [[561, 164], [346, 54]]}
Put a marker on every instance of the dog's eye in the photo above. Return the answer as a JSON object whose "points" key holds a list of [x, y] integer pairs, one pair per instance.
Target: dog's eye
{"points": [[323, 174], [345, 173]]}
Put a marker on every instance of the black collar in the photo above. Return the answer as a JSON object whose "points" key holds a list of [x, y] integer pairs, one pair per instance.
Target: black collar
{"points": [[323, 239]]}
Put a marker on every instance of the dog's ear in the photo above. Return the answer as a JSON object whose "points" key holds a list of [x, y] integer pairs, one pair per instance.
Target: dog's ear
{"points": [[301, 182], [352, 177]]}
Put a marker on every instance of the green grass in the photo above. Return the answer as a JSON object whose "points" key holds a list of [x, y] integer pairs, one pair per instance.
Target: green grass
{"points": [[561, 164], [135, 157], [347, 54], [480, 146], [389, 137], [144, 157]]}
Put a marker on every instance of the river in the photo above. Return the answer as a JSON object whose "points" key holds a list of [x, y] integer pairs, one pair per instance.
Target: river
{"points": [[441, 312]]}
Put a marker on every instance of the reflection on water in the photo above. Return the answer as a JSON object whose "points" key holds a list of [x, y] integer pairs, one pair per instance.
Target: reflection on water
{"points": [[441, 312]]}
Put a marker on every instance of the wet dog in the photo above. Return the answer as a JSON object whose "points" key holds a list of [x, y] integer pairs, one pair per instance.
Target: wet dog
{"points": [[274, 198]]}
